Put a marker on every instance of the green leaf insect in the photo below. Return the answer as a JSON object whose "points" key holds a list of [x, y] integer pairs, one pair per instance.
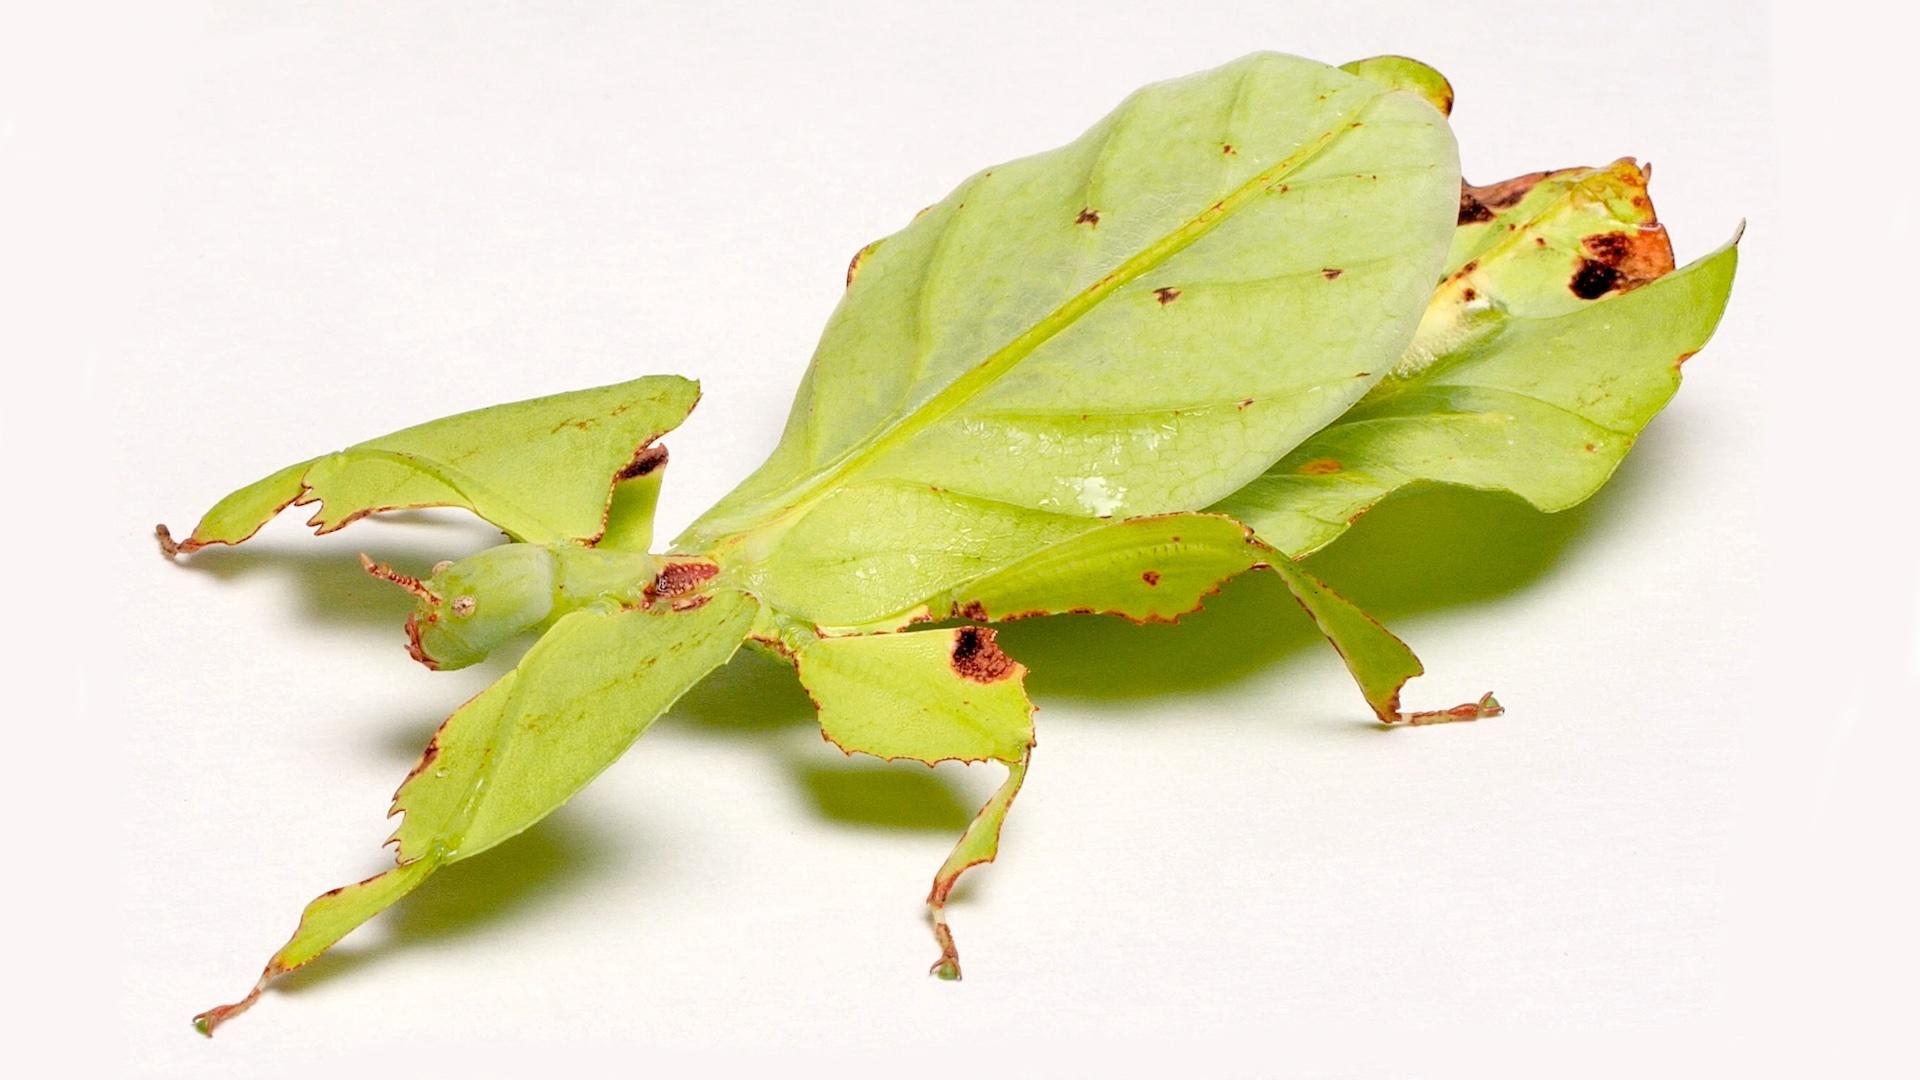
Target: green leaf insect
{"points": [[1199, 340]]}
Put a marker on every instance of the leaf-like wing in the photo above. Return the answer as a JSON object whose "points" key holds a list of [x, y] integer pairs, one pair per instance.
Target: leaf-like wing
{"points": [[542, 470], [930, 696], [1515, 382], [522, 747], [1137, 323], [1152, 569], [1157, 569]]}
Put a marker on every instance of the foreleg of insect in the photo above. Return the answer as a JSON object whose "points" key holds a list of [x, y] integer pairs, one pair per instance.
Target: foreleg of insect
{"points": [[586, 690], [930, 696], [979, 844], [1380, 662]]}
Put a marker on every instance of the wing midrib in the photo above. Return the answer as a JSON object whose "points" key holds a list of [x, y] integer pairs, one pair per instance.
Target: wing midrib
{"points": [[1010, 355]]}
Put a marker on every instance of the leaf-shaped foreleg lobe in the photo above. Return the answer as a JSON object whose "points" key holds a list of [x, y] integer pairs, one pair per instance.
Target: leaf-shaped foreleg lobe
{"points": [[522, 747], [542, 470], [929, 696]]}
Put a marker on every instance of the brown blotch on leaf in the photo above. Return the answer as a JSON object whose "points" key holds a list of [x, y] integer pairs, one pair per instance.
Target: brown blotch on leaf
{"points": [[1325, 466], [1593, 280], [678, 579], [1472, 210], [1331, 272], [972, 609], [1505, 193], [1088, 216], [1640, 255], [975, 656], [1227, 148], [1166, 294], [649, 458], [1151, 577]]}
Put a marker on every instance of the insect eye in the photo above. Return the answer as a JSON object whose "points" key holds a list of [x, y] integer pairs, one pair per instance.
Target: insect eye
{"points": [[463, 606], [441, 566]]}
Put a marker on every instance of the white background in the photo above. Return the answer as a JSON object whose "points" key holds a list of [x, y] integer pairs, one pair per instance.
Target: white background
{"points": [[237, 235]]}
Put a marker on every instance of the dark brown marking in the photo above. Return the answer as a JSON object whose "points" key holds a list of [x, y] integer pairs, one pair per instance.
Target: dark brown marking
{"points": [[975, 656], [1507, 192], [973, 609], [1227, 148], [1088, 217], [1593, 280], [1325, 466], [678, 579], [1472, 210], [1151, 577], [1166, 294], [646, 460], [1640, 255], [1244, 402], [1539, 241], [1331, 272], [1468, 295]]}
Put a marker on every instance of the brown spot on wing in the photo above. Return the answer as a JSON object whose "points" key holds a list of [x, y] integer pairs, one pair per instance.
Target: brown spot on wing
{"points": [[1151, 577], [1088, 217], [1472, 210], [976, 656], [1593, 280], [1331, 272], [1640, 255], [1319, 467], [1166, 294], [1507, 192]]}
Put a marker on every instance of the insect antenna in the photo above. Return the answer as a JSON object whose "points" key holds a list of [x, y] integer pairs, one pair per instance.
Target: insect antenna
{"points": [[406, 581]]}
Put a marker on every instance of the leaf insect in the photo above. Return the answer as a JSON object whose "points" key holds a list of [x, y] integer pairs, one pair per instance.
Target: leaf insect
{"points": [[1199, 340]]}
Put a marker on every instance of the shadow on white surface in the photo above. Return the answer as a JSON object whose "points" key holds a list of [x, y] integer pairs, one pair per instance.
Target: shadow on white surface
{"points": [[1432, 549]]}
